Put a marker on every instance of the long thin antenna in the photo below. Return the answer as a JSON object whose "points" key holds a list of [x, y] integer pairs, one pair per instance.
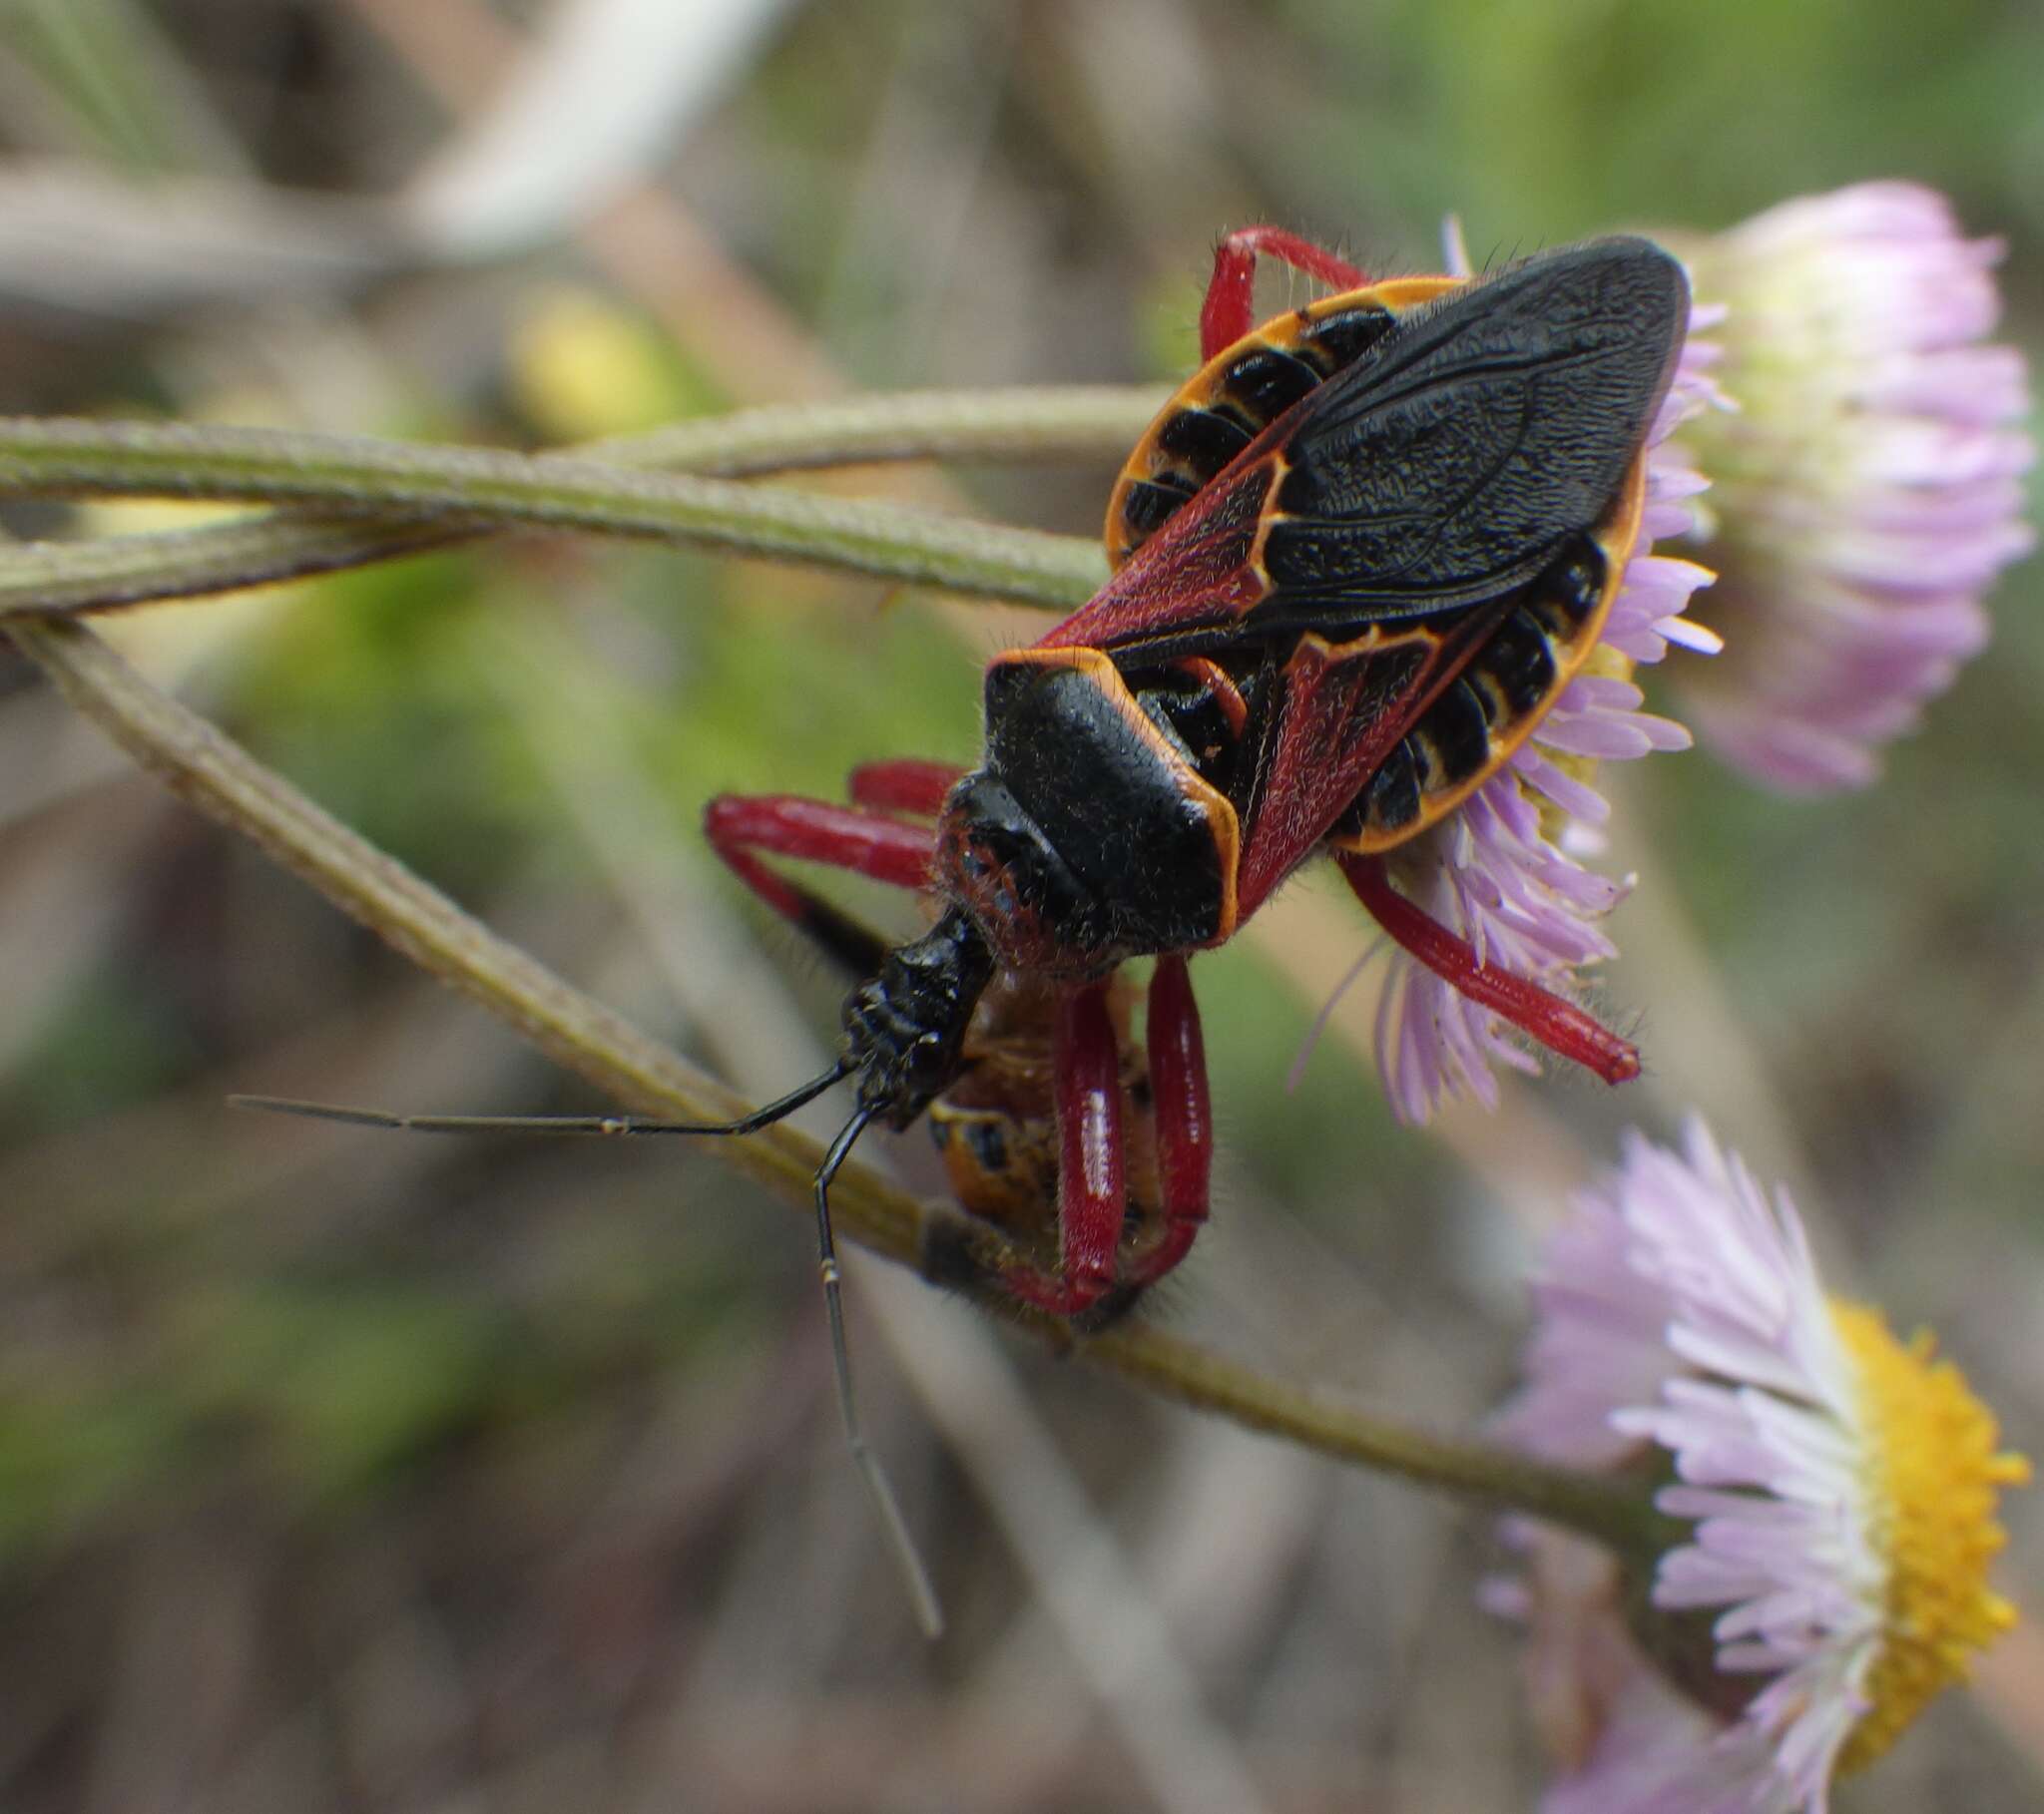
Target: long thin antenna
{"points": [[606, 1125], [922, 1592]]}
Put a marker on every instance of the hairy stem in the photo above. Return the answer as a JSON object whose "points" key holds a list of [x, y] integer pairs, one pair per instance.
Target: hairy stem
{"points": [[213, 773], [356, 501]]}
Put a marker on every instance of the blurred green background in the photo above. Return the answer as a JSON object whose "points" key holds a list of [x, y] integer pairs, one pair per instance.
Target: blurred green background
{"points": [[347, 1470]]}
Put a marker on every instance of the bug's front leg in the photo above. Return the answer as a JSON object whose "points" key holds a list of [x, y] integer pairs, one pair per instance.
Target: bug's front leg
{"points": [[744, 827], [1560, 1026], [1185, 1118], [864, 838], [1229, 309], [904, 785], [1091, 1191]]}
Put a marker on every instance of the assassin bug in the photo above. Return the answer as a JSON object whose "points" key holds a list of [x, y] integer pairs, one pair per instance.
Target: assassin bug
{"points": [[1357, 558]]}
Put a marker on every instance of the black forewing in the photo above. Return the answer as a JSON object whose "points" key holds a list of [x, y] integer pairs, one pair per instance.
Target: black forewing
{"points": [[1451, 463]]}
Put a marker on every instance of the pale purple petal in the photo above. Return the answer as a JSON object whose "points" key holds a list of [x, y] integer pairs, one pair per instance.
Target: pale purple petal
{"points": [[1680, 1306], [1874, 462]]}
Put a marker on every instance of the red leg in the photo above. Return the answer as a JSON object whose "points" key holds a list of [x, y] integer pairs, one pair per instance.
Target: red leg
{"points": [[1228, 311], [905, 784], [1562, 1026], [846, 837], [1091, 1191], [1184, 1122]]}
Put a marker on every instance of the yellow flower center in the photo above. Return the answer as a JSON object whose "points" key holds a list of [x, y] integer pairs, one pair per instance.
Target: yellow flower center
{"points": [[1932, 1477]]}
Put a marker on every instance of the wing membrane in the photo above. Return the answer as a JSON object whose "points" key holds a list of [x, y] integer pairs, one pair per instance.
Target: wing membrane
{"points": [[1482, 434]]}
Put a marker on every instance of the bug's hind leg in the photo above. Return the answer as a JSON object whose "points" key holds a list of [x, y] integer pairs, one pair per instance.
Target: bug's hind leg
{"points": [[1560, 1026], [1229, 309]]}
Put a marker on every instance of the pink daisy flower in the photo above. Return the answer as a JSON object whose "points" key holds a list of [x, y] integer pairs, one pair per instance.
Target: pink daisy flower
{"points": [[1867, 490], [1834, 1494]]}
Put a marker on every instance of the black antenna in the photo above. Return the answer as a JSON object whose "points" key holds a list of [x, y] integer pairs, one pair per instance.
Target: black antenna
{"points": [[915, 1577], [928, 1614], [602, 1125]]}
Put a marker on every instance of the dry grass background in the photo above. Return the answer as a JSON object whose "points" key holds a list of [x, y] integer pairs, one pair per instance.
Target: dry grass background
{"points": [[349, 1471]]}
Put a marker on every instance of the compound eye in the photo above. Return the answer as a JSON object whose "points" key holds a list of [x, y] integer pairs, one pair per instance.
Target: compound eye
{"points": [[987, 865]]}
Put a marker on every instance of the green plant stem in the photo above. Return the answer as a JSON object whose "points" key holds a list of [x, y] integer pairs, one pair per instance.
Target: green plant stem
{"points": [[200, 765], [399, 499], [1614, 1512], [1024, 422], [212, 772]]}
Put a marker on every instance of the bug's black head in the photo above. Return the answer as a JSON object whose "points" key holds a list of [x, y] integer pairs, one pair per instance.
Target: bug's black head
{"points": [[1010, 874], [905, 1027]]}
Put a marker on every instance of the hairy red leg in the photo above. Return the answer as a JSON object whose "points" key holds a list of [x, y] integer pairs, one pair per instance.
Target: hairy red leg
{"points": [[740, 826], [1228, 311], [865, 838], [1185, 1121], [905, 784], [846, 837], [1562, 1026], [1092, 1196]]}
